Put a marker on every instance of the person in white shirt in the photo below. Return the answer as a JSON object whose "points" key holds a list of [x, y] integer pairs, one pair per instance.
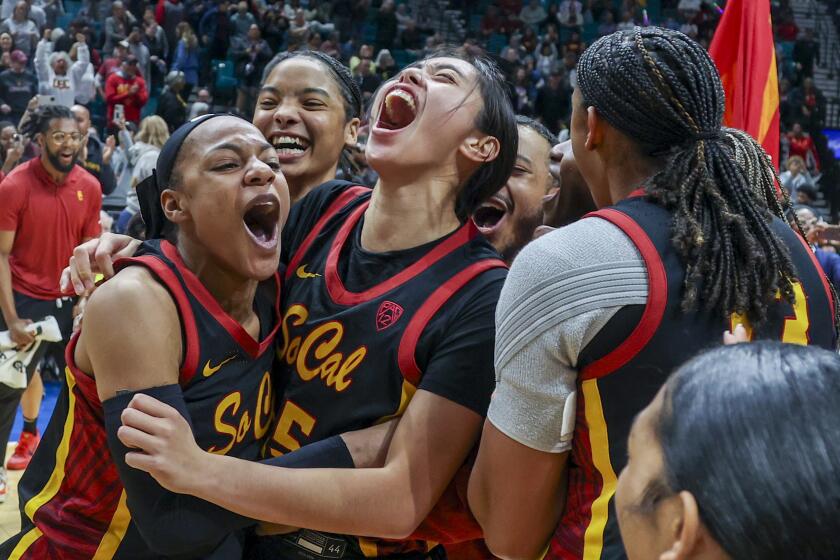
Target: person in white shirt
{"points": [[533, 14], [22, 29], [70, 82], [570, 13]]}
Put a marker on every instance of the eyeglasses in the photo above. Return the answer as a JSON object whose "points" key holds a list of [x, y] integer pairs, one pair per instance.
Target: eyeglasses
{"points": [[62, 137]]}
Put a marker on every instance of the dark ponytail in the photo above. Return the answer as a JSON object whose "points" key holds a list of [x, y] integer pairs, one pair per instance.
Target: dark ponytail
{"points": [[663, 91]]}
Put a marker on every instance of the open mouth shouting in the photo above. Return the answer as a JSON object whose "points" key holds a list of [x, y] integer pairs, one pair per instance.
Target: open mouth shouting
{"points": [[67, 157], [289, 147], [398, 109], [491, 214], [262, 220]]}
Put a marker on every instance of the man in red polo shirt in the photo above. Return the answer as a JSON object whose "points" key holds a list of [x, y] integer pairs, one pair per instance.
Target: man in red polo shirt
{"points": [[47, 207]]}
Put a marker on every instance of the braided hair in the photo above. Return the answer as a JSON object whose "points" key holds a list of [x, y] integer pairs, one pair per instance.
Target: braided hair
{"points": [[350, 92], [662, 90], [39, 119]]}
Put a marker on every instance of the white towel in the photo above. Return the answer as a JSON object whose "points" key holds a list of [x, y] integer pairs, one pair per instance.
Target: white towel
{"points": [[13, 362]]}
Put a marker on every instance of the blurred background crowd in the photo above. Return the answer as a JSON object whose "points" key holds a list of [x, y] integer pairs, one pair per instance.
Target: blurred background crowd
{"points": [[122, 62]]}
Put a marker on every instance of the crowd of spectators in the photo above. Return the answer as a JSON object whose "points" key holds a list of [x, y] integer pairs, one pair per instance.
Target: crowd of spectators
{"points": [[126, 60]]}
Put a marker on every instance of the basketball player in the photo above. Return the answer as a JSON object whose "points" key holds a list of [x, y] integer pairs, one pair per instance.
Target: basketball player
{"points": [[687, 244], [309, 108], [191, 321], [388, 312]]}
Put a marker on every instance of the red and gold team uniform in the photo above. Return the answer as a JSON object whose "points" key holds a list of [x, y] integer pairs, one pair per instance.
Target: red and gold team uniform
{"points": [[73, 502], [628, 361], [362, 332]]}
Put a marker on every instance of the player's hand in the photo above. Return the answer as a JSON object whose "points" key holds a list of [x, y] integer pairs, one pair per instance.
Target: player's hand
{"points": [[33, 104], [740, 335], [19, 334], [267, 529], [167, 447], [95, 257], [79, 313]]}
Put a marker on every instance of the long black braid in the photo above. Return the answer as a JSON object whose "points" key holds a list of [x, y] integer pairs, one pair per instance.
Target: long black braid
{"points": [[760, 172], [663, 91], [39, 119]]}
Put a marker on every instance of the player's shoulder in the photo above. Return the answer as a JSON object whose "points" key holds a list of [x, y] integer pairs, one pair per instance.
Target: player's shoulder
{"points": [[305, 213], [319, 199], [590, 241], [131, 294]]}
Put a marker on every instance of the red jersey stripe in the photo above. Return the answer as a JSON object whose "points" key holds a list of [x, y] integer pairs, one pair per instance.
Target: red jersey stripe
{"points": [[657, 298], [343, 199], [408, 343]]}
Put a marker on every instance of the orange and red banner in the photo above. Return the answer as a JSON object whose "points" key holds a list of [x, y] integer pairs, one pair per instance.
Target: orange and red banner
{"points": [[745, 55]]}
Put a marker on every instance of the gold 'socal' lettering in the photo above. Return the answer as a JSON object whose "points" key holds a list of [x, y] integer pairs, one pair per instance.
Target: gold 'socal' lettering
{"points": [[265, 408], [228, 422], [315, 354]]}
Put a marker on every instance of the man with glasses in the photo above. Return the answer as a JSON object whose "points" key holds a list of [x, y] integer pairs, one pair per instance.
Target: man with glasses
{"points": [[48, 206]]}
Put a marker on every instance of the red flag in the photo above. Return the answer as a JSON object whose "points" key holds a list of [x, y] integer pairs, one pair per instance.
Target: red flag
{"points": [[745, 55]]}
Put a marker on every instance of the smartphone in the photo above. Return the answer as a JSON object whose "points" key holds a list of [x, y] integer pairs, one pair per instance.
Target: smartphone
{"points": [[119, 112], [830, 233], [46, 100]]}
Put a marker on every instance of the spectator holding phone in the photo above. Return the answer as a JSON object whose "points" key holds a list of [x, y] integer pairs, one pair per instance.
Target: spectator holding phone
{"points": [[11, 148], [17, 86], [126, 87], [67, 81]]}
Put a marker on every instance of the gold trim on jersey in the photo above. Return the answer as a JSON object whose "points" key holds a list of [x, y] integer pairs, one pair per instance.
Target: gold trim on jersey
{"points": [[25, 542], [52, 486], [116, 531], [369, 548], [593, 541], [406, 394]]}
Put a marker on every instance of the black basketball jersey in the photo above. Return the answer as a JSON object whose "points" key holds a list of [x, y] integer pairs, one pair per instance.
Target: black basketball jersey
{"points": [[628, 361], [73, 503], [356, 358]]}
